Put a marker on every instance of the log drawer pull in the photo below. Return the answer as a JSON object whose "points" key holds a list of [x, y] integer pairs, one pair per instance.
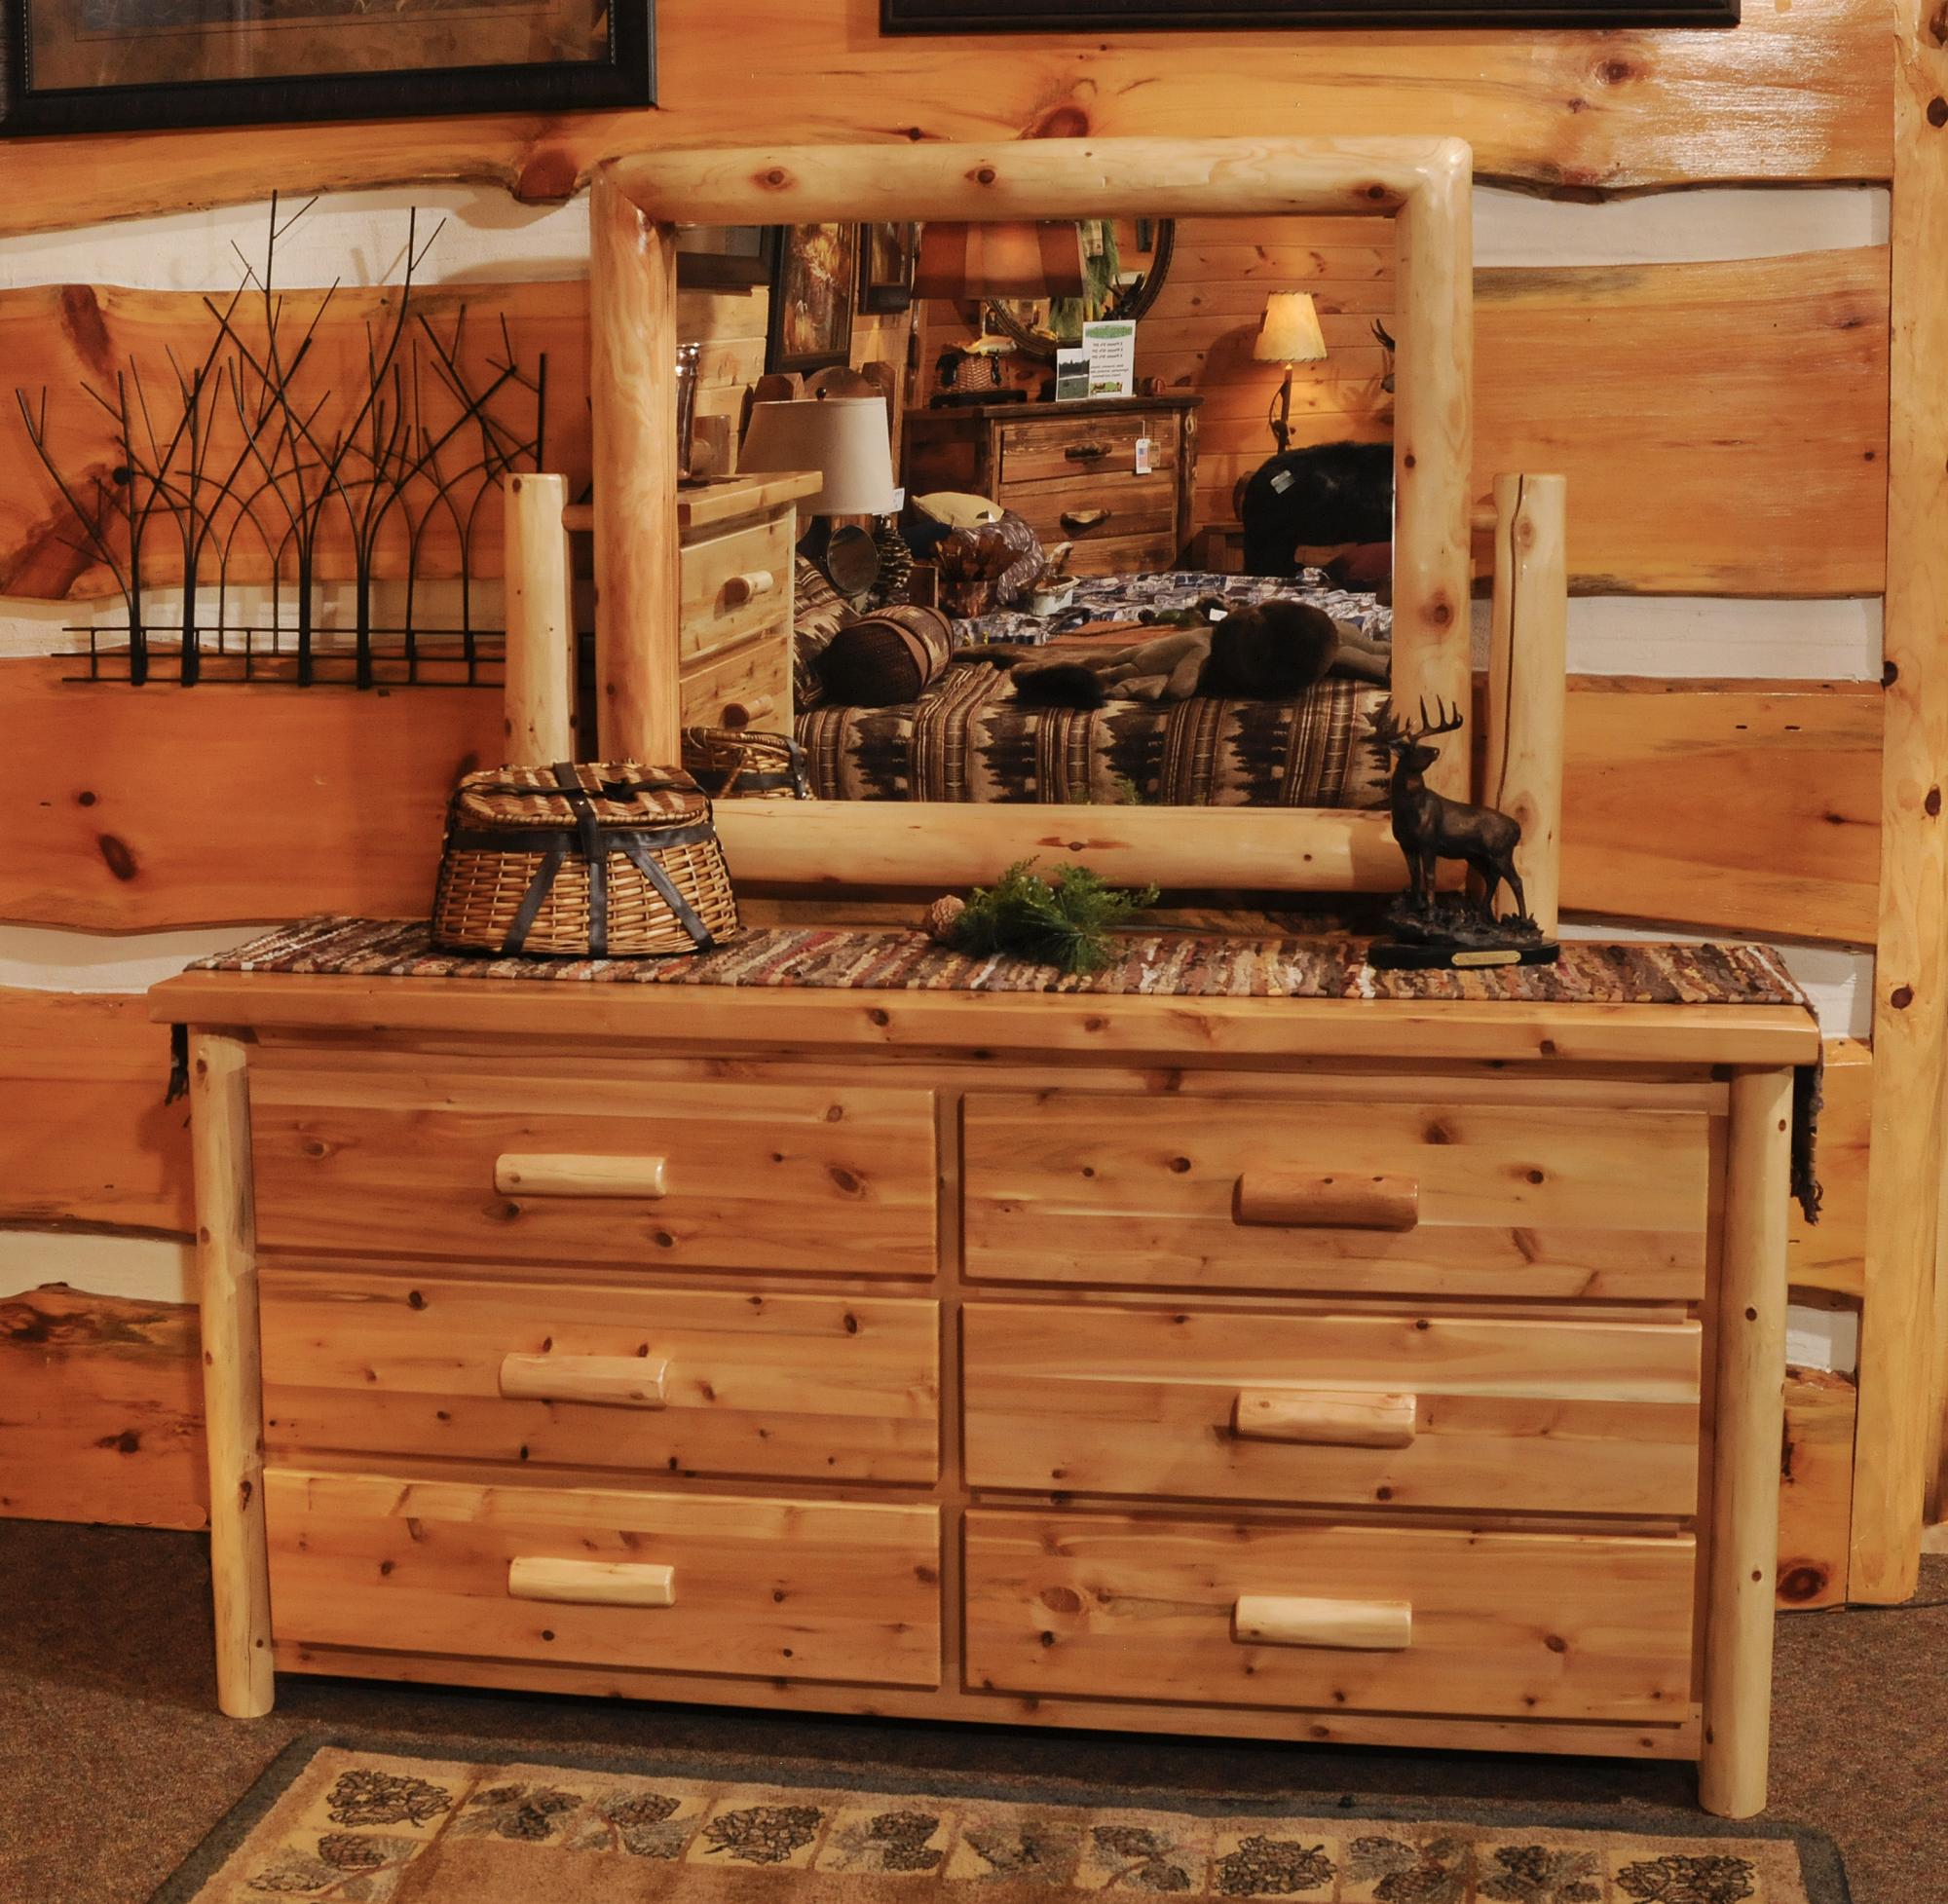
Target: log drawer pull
{"points": [[543, 1175], [591, 1582], [1079, 520], [1333, 1200], [1344, 1626], [747, 588], [740, 714], [617, 1381], [1085, 452], [1331, 1418]]}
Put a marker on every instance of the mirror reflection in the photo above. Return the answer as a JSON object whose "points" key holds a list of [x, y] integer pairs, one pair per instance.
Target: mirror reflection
{"points": [[1105, 513]]}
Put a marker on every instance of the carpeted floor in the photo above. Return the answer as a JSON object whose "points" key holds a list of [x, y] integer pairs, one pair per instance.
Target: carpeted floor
{"points": [[114, 1761]]}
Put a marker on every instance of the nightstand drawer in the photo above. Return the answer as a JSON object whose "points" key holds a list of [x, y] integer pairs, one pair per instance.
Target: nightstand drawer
{"points": [[1416, 1410], [749, 686], [1357, 1619], [686, 1583], [1432, 1194], [1085, 446], [482, 1163], [791, 1387], [733, 583]]}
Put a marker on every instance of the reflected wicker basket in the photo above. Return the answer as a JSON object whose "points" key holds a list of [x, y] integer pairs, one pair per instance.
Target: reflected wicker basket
{"points": [[735, 763], [587, 861]]}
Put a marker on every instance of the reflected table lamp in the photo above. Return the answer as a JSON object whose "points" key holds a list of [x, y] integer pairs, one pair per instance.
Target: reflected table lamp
{"points": [[1288, 333], [847, 439]]}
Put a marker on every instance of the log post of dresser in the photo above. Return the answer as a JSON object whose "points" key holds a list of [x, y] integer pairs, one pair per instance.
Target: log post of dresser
{"points": [[1749, 1425], [226, 1249]]}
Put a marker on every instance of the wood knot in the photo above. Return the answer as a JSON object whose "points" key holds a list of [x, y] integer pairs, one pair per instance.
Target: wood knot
{"points": [[1068, 122], [985, 175], [777, 178], [1900, 998], [1802, 1584], [116, 856], [1614, 72], [1937, 111]]}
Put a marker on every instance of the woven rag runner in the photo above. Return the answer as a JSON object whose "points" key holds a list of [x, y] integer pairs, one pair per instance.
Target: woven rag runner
{"points": [[1155, 964]]}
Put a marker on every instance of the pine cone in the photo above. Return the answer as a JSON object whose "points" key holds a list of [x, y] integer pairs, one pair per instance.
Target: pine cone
{"points": [[942, 916]]}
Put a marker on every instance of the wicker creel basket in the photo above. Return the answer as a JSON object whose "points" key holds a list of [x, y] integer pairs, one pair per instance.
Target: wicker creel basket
{"points": [[736, 764], [589, 861]]}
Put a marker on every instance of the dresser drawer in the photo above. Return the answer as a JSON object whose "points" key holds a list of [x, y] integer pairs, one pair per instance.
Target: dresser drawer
{"points": [[686, 1582], [1420, 1411], [1099, 511], [795, 1387], [1084, 446], [1426, 1621], [749, 686], [1426, 1196], [733, 583], [484, 1163]]}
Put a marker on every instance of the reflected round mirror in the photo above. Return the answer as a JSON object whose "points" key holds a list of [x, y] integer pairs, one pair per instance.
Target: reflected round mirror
{"points": [[1039, 327]]}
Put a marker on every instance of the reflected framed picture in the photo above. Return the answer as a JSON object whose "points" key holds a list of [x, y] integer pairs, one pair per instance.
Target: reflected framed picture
{"points": [[133, 65], [886, 267], [812, 297], [726, 257], [1198, 16]]}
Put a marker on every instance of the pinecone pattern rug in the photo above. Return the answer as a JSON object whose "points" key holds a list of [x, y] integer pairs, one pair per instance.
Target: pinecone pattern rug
{"points": [[359, 1825]]}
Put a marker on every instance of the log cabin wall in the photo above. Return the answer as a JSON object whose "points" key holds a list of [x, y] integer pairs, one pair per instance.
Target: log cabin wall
{"points": [[1707, 329]]}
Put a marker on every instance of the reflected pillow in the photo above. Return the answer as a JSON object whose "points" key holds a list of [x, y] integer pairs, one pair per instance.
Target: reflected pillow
{"points": [[885, 659]]}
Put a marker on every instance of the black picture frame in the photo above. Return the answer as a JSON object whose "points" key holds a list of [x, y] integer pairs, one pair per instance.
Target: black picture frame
{"points": [[797, 271], [625, 78], [883, 296], [746, 262], [1205, 15]]}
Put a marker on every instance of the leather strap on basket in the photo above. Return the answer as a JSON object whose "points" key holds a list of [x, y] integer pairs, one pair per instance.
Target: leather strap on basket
{"points": [[644, 858], [538, 890], [596, 855]]}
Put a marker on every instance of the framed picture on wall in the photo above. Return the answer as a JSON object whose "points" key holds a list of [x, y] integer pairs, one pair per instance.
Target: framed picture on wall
{"points": [[886, 267], [133, 65], [726, 257], [812, 297], [1192, 15]]}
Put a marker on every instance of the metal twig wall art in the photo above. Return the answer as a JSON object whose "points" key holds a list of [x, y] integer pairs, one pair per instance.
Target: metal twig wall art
{"points": [[264, 489]]}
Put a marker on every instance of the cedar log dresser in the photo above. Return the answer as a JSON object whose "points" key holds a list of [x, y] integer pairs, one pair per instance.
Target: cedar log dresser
{"points": [[1113, 476], [1369, 1371]]}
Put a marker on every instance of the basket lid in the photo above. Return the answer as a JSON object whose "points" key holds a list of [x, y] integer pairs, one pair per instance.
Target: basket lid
{"points": [[616, 793]]}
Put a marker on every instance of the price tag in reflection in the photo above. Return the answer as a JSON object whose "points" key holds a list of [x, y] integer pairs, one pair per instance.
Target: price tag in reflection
{"points": [[1145, 450]]}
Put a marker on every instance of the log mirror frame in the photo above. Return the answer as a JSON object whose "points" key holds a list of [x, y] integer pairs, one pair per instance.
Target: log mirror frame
{"points": [[1422, 184]]}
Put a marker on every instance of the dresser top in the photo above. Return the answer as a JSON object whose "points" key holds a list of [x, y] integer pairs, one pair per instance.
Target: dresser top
{"points": [[1032, 411], [1182, 996]]}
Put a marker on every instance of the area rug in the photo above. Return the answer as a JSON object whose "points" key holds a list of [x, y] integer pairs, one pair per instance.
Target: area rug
{"points": [[363, 1824]]}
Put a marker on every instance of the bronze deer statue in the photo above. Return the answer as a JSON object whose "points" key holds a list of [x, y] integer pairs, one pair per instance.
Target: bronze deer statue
{"points": [[1430, 827]]}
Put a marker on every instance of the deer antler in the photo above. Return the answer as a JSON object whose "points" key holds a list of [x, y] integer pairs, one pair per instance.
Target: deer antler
{"points": [[1445, 720]]}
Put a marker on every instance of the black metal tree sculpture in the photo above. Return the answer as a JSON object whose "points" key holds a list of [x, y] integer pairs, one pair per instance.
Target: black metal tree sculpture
{"points": [[1432, 931]]}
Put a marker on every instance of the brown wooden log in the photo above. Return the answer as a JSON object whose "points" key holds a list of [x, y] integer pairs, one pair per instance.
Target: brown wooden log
{"points": [[1815, 1489], [104, 1410], [135, 807], [1799, 92], [84, 1136], [1751, 806], [1831, 1254], [106, 836], [1901, 1340], [1723, 427], [1790, 501]]}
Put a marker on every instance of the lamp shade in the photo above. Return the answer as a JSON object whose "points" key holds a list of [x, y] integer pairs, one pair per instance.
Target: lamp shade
{"points": [[845, 438], [1289, 332], [1003, 260]]}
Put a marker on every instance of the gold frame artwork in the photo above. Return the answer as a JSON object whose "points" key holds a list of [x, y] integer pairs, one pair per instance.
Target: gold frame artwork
{"points": [[1422, 184]]}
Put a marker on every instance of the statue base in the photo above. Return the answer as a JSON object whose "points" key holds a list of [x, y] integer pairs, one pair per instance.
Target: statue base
{"points": [[1456, 935]]}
